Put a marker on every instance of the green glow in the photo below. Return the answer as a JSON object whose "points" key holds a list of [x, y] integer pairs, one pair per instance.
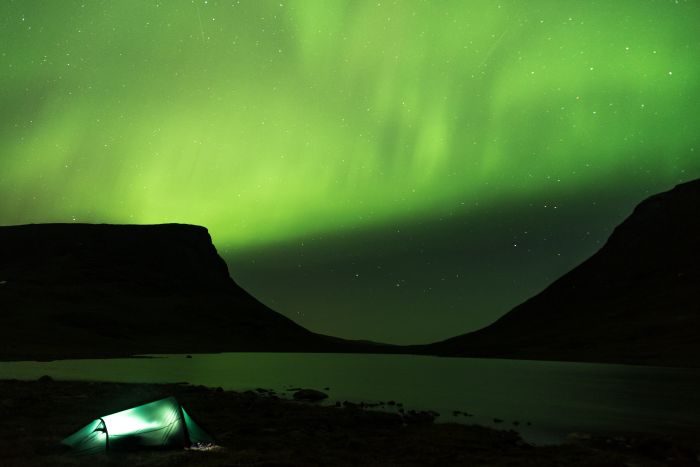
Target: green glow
{"points": [[139, 419], [269, 120], [156, 424]]}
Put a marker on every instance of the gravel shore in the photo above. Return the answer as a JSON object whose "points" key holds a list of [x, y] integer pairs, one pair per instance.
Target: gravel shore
{"points": [[260, 428]]}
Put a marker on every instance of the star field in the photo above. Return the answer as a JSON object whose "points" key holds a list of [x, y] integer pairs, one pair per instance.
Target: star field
{"points": [[395, 170]]}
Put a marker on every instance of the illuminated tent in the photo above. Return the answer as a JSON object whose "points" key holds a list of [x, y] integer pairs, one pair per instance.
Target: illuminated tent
{"points": [[160, 424]]}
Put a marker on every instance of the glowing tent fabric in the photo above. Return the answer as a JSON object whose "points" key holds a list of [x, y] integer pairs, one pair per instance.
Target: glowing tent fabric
{"points": [[160, 424]]}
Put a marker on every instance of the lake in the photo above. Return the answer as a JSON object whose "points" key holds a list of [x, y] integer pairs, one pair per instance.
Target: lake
{"points": [[555, 398]]}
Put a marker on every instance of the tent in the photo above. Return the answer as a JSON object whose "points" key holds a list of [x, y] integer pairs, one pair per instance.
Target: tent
{"points": [[160, 424]]}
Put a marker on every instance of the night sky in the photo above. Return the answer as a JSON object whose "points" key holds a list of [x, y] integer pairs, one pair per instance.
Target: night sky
{"points": [[401, 171]]}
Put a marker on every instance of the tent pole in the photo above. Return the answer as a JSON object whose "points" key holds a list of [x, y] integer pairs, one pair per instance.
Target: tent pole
{"points": [[106, 435], [185, 433]]}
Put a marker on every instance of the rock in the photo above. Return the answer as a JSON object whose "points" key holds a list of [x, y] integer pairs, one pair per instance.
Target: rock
{"points": [[45, 379], [577, 437], [188, 356], [310, 395], [8, 403], [419, 417], [658, 448], [197, 389]]}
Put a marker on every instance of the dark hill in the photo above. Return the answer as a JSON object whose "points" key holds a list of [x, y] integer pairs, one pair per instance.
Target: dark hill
{"points": [[637, 300], [78, 290]]}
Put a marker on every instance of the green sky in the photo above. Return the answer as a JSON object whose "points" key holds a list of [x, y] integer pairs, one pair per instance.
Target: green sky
{"points": [[297, 129]]}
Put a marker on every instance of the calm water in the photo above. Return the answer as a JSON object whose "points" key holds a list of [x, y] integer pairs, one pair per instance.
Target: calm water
{"points": [[556, 398]]}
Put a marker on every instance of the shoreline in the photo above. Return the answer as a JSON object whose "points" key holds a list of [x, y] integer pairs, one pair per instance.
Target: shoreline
{"points": [[402, 350], [262, 428]]}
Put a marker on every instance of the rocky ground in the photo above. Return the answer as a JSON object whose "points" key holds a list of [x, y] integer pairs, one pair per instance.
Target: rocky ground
{"points": [[258, 428]]}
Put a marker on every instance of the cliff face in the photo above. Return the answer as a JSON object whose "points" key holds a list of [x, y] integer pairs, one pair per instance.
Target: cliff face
{"points": [[167, 257], [637, 300], [77, 290]]}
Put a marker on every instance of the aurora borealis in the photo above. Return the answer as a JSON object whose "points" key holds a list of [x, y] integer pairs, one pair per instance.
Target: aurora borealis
{"points": [[395, 170]]}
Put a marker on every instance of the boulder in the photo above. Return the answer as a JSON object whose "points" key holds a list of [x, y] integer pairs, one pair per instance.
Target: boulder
{"points": [[310, 395]]}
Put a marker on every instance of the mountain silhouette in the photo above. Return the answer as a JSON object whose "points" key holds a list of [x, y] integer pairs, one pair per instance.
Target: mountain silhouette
{"points": [[80, 290], [637, 300]]}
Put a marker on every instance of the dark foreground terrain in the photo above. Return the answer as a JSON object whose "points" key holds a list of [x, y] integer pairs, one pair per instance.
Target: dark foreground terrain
{"points": [[260, 429]]}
